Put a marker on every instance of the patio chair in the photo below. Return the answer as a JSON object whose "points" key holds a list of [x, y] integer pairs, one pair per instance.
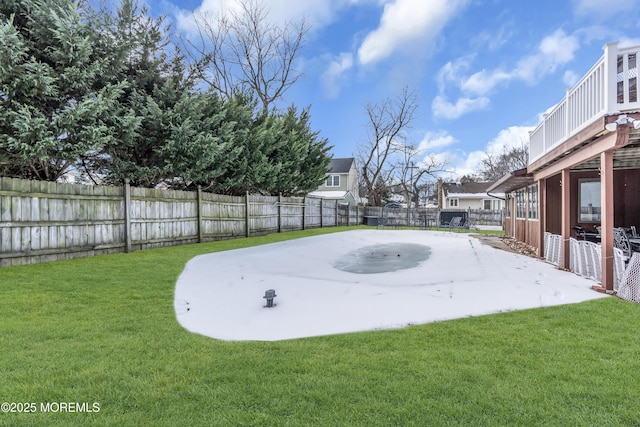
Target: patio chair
{"points": [[386, 222], [469, 224], [621, 241], [580, 232], [455, 222]]}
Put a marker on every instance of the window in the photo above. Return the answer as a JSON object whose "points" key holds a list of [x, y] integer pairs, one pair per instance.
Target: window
{"points": [[333, 181], [492, 204], [521, 203], [508, 206], [620, 79], [532, 201], [630, 74], [633, 81], [453, 203], [589, 200]]}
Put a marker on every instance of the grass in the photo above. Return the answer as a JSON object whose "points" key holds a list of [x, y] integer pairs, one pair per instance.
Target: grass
{"points": [[103, 330]]}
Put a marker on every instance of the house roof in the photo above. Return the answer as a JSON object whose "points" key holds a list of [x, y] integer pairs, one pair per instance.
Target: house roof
{"points": [[341, 165], [333, 194], [466, 188], [510, 182]]}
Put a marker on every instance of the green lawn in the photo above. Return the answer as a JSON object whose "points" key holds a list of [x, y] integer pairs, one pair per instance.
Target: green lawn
{"points": [[103, 330]]}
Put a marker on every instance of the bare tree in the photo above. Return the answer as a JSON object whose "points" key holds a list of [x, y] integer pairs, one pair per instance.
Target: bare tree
{"points": [[244, 52], [386, 122], [494, 167], [415, 170]]}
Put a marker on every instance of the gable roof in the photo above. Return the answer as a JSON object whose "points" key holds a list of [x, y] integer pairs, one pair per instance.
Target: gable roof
{"points": [[341, 165], [466, 188]]}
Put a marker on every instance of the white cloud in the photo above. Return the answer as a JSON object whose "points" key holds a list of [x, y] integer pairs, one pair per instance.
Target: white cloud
{"points": [[554, 51], [600, 10], [493, 40], [570, 78], [483, 82], [442, 108], [469, 163], [404, 23], [511, 137], [432, 140], [431, 159], [453, 71], [628, 42], [317, 13], [334, 73]]}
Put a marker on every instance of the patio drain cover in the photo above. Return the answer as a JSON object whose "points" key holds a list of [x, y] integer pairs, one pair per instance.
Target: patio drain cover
{"points": [[383, 258]]}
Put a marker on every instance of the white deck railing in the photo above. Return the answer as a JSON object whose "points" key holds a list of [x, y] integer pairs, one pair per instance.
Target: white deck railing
{"points": [[609, 86]]}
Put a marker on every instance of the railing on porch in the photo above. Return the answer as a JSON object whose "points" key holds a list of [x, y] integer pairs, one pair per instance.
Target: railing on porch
{"points": [[609, 86], [586, 259]]}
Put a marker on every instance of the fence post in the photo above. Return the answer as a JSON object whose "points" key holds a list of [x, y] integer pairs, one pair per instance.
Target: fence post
{"points": [[304, 206], [408, 213], [321, 214], [337, 213], [199, 213], [127, 216], [246, 214], [279, 212], [348, 215]]}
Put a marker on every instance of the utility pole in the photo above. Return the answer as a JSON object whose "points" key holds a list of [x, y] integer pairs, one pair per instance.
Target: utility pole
{"points": [[410, 193]]}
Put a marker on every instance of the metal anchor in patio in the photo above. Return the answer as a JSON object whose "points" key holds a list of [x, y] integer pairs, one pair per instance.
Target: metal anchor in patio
{"points": [[269, 295]]}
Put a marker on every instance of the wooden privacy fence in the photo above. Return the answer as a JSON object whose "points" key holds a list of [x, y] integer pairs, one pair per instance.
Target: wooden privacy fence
{"points": [[430, 217], [47, 221]]}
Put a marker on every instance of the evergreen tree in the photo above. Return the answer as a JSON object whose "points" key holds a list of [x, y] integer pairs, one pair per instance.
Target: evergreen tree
{"points": [[201, 142], [107, 92], [52, 100], [302, 157], [278, 153], [155, 84]]}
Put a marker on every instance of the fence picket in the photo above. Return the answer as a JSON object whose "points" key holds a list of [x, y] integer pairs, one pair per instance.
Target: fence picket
{"points": [[45, 221]]}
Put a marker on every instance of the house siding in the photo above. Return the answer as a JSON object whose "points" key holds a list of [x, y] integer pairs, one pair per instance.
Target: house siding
{"points": [[344, 179], [348, 182]]}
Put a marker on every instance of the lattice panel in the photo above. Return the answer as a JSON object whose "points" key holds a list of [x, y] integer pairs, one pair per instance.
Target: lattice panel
{"points": [[629, 288], [586, 259], [553, 248]]}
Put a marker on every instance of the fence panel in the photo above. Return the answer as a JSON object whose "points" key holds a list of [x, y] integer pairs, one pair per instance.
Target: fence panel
{"points": [[312, 213], [162, 217], [291, 213], [47, 221], [486, 217], [222, 217], [263, 214]]}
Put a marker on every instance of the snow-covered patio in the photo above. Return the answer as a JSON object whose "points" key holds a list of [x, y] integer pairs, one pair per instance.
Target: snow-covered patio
{"points": [[221, 294]]}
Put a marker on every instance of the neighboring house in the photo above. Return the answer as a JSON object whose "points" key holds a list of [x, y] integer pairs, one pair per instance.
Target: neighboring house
{"points": [[584, 164], [396, 194], [341, 184], [470, 195]]}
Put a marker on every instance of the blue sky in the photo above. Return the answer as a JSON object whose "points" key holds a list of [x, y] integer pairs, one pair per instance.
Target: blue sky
{"points": [[484, 70]]}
